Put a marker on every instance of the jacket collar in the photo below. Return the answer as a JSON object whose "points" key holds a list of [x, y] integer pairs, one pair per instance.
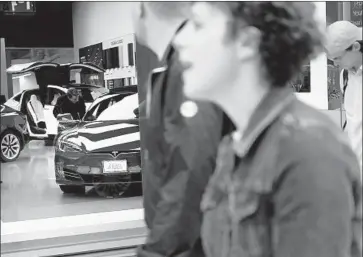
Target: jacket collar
{"points": [[170, 49], [158, 73], [266, 113]]}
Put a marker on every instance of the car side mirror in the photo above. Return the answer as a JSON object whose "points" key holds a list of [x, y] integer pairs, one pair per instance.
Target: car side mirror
{"points": [[64, 117]]}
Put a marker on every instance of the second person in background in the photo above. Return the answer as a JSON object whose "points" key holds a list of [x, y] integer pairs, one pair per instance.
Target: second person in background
{"points": [[181, 136]]}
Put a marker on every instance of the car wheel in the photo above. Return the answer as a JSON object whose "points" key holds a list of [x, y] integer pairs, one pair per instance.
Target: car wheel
{"points": [[70, 189], [10, 146]]}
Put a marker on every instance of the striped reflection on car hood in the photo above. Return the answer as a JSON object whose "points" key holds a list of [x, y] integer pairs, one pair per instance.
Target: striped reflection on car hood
{"points": [[105, 136]]}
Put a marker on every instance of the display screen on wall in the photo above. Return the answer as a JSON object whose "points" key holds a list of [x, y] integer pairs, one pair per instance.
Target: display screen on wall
{"points": [[18, 7], [130, 51], [50, 27], [111, 58], [92, 54], [301, 83]]}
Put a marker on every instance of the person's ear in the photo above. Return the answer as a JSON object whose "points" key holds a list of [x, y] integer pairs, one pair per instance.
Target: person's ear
{"points": [[248, 40], [356, 47], [141, 10]]}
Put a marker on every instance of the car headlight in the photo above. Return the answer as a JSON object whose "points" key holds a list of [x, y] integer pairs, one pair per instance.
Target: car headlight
{"points": [[64, 146]]}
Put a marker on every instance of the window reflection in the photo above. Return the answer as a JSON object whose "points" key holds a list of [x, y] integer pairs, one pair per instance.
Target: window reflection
{"points": [[301, 83], [334, 92]]}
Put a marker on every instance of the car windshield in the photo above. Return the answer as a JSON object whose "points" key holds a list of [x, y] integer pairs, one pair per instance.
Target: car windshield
{"points": [[114, 107], [121, 110]]}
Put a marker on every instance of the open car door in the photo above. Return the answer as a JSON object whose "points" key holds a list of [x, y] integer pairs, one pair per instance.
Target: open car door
{"points": [[49, 74]]}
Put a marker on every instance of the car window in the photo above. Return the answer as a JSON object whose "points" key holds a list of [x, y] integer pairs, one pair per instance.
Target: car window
{"points": [[118, 107], [97, 109], [26, 98], [17, 97], [121, 109]]}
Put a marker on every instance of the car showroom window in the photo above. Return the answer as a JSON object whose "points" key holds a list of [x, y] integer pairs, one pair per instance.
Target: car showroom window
{"points": [[81, 179], [71, 177], [84, 181]]}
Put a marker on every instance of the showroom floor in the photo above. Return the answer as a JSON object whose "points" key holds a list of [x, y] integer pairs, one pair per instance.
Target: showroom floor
{"points": [[29, 191]]}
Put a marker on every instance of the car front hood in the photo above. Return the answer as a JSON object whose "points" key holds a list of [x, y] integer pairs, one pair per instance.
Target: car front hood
{"points": [[105, 136]]}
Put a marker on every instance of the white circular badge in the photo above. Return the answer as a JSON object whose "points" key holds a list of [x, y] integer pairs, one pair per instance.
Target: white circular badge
{"points": [[188, 109]]}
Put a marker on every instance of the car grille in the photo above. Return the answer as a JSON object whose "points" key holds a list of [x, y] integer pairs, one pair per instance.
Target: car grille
{"points": [[71, 175]]}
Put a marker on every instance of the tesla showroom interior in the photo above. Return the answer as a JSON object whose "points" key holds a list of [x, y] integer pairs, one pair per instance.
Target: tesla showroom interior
{"points": [[74, 79]]}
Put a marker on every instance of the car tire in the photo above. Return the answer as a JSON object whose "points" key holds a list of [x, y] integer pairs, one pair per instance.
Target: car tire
{"points": [[70, 189], [11, 147]]}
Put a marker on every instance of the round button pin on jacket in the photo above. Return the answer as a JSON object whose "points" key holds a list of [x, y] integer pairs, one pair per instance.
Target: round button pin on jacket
{"points": [[188, 109]]}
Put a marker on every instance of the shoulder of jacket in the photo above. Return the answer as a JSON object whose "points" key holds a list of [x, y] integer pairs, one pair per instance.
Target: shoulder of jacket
{"points": [[311, 131]]}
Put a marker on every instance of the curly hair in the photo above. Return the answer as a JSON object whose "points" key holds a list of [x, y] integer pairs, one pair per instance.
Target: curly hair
{"points": [[170, 10], [290, 35]]}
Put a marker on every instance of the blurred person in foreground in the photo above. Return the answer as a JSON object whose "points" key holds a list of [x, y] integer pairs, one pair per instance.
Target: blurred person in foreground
{"points": [[182, 139], [345, 47], [287, 182]]}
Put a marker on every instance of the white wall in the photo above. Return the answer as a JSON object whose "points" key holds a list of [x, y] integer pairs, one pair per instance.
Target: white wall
{"points": [[318, 97], [28, 82], [95, 22], [16, 86]]}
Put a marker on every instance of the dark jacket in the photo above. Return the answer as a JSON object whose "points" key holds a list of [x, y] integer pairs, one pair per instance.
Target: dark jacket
{"points": [[290, 187], [64, 105], [179, 160]]}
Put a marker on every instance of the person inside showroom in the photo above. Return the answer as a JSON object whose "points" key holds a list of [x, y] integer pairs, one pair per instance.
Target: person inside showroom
{"points": [[181, 136], [287, 181], [345, 47], [71, 103]]}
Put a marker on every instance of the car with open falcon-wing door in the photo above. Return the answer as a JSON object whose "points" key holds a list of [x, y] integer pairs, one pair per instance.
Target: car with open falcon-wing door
{"points": [[101, 152], [47, 82]]}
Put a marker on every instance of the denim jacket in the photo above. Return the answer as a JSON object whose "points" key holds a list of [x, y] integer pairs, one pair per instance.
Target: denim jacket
{"points": [[295, 192]]}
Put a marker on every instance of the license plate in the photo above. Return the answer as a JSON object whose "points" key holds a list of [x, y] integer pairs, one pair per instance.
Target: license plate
{"points": [[115, 166]]}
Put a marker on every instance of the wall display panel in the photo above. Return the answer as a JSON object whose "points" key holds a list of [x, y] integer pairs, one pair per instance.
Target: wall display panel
{"points": [[92, 54], [26, 29], [122, 52]]}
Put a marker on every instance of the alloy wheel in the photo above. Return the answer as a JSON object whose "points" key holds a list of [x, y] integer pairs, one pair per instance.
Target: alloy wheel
{"points": [[10, 146]]}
